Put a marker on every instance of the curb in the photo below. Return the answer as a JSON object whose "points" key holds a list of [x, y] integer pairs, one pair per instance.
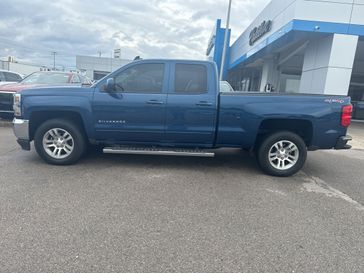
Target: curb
{"points": [[5, 123]]}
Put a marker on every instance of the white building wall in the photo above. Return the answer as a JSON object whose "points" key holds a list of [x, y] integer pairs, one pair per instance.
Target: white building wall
{"points": [[358, 13], [326, 70], [24, 69], [327, 11], [91, 64], [21, 68]]}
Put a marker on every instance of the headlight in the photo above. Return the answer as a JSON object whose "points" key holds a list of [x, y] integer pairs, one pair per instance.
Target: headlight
{"points": [[17, 105]]}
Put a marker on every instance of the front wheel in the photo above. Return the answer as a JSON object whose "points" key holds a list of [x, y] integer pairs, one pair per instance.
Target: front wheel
{"points": [[59, 142], [282, 154]]}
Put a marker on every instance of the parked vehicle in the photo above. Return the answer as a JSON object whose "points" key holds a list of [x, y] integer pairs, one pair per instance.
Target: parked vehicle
{"points": [[174, 107], [226, 87], [35, 79], [7, 77]]}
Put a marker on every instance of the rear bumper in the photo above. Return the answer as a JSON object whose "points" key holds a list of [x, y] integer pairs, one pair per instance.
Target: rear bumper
{"points": [[341, 143], [21, 131]]}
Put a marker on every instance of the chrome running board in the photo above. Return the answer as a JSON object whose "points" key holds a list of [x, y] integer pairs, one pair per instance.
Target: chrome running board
{"points": [[157, 151]]}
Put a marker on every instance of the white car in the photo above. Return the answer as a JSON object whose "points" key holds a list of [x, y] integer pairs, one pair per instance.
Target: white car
{"points": [[226, 87], [9, 77]]}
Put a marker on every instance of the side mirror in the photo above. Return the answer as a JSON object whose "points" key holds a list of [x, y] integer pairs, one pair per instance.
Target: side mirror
{"points": [[110, 85]]}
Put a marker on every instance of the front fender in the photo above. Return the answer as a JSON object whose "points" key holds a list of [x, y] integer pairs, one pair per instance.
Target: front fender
{"points": [[80, 105]]}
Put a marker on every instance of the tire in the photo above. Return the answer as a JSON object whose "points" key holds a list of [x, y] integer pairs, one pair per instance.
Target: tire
{"points": [[282, 154], [59, 134]]}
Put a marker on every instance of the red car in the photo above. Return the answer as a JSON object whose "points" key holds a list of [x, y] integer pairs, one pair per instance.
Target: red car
{"points": [[33, 80]]}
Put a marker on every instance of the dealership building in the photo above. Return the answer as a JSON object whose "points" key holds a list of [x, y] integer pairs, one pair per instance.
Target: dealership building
{"points": [[299, 46]]}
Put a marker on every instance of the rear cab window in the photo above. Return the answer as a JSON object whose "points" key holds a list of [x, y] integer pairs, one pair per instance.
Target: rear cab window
{"points": [[190, 79]]}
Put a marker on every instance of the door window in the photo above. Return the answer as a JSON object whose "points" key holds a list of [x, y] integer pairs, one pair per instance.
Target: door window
{"points": [[190, 79], [141, 78]]}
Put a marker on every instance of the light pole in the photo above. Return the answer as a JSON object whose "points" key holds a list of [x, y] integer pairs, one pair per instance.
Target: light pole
{"points": [[54, 59], [225, 43]]}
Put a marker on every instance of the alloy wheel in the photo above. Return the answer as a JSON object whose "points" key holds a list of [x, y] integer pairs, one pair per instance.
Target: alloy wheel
{"points": [[283, 155], [58, 143]]}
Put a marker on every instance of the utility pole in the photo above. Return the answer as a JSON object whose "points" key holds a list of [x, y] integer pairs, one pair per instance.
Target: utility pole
{"points": [[54, 59], [225, 43]]}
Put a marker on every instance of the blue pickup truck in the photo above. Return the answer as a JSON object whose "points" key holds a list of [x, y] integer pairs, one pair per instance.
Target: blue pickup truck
{"points": [[175, 107]]}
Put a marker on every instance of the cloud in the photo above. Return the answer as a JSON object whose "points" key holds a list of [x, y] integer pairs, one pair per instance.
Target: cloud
{"points": [[31, 30]]}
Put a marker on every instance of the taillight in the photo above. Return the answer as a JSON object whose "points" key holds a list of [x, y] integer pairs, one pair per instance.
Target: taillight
{"points": [[346, 115]]}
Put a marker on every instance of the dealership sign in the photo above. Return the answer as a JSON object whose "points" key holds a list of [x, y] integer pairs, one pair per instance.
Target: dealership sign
{"points": [[258, 32]]}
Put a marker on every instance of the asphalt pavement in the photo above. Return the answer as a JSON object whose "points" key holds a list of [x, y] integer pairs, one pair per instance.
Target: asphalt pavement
{"points": [[121, 213]]}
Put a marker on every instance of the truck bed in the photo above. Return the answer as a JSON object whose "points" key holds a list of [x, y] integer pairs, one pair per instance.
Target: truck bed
{"points": [[241, 116]]}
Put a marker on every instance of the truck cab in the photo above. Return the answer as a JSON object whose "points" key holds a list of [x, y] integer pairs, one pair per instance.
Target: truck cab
{"points": [[155, 102]]}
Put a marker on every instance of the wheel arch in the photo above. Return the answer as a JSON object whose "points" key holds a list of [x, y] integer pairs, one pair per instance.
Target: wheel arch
{"points": [[301, 127], [39, 117]]}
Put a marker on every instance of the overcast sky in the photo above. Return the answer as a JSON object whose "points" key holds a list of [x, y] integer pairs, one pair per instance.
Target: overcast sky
{"points": [[31, 29]]}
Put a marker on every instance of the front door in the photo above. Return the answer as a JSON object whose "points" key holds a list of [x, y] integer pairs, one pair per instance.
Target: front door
{"points": [[135, 111]]}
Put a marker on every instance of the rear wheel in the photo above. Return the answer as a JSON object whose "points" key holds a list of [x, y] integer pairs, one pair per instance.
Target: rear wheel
{"points": [[282, 154], [59, 142]]}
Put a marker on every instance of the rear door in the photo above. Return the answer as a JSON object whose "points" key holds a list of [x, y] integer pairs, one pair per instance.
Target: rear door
{"points": [[135, 111], [191, 104]]}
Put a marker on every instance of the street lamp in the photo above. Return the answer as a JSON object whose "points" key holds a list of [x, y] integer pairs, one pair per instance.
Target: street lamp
{"points": [[54, 59], [225, 43]]}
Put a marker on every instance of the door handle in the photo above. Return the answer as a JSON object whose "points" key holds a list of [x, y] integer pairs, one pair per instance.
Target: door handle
{"points": [[204, 103], [154, 102]]}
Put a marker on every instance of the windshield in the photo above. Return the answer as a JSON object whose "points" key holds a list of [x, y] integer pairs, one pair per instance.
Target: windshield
{"points": [[47, 78]]}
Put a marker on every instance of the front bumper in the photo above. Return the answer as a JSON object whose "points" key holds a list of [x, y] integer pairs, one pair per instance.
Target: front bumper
{"points": [[21, 131], [341, 143]]}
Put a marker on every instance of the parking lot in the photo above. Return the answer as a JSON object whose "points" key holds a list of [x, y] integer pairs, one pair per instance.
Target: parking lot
{"points": [[120, 213]]}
